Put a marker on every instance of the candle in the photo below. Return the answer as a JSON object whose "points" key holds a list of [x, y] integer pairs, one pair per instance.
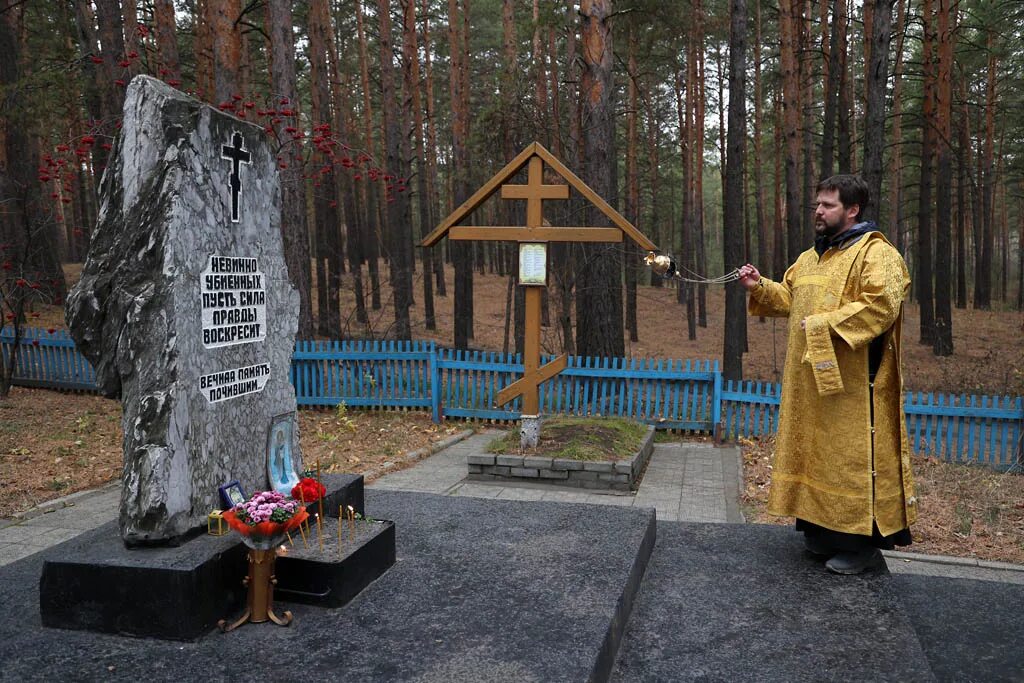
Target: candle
{"points": [[320, 501], [352, 521], [340, 520]]}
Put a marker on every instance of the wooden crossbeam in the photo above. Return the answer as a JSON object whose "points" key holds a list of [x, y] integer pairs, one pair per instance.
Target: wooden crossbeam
{"points": [[530, 382], [542, 234]]}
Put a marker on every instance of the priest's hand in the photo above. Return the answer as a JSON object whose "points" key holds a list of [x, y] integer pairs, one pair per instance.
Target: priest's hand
{"points": [[749, 277]]}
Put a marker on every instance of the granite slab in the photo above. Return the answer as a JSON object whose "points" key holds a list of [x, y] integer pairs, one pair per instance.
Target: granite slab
{"points": [[481, 590], [733, 602], [970, 630]]}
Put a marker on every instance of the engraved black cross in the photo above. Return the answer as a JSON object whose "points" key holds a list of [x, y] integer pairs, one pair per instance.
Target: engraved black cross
{"points": [[237, 155]]}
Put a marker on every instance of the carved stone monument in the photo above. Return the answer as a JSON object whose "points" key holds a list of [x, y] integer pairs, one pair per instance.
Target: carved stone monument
{"points": [[185, 308]]}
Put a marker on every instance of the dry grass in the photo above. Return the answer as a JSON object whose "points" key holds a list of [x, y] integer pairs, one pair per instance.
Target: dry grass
{"points": [[965, 511], [53, 444]]}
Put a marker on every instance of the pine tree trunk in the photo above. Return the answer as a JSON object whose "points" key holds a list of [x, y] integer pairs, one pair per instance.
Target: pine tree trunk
{"points": [[397, 231], [92, 89], [700, 100], [943, 336], [462, 253], [961, 217], [411, 66], [683, 112], [924, 212], [168, 60], [227, 49], [732, 216], [294, 229], [373, 230], [325, 195], [895, 180], [832, 81], [632, 185], [437, 259], [762, 226], [788, 23], [599, 288], [983, 293], [876, 77]]}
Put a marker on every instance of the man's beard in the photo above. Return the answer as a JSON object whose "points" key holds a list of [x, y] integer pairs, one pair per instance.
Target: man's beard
{"points": [[822, 228]]}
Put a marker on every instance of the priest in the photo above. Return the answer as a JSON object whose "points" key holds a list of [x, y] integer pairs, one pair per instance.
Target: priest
{"points": [[842, 458]]}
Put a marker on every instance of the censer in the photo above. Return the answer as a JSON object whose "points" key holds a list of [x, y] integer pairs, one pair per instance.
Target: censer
{"points": [[664, 265]]}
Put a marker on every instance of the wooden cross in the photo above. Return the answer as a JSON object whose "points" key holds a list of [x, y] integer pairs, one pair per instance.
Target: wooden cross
{"points": [[534, 192]]}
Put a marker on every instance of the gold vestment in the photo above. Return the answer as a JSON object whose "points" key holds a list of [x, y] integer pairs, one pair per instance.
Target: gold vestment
{"points": [[831, 466]]}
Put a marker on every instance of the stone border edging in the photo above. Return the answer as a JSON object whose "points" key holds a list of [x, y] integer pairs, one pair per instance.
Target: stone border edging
{"points": [[417, 455], [956, 561], [605, 475], [56, 504]]}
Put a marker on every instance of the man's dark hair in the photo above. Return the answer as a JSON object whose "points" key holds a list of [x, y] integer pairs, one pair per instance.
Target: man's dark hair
{"points": [[852, 190]]}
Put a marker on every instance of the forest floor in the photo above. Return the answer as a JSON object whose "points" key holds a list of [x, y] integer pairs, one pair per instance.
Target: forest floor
{"points": [[52, 443]]}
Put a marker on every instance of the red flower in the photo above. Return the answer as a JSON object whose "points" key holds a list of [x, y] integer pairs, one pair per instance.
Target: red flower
{"points": [[88, 139], [174, 83], [20, 282], [35, 342], [236, 97], [96, 60], [133, 55], [120, 82], [308, 490], [52, 330], [7, 265], [124, 63]]}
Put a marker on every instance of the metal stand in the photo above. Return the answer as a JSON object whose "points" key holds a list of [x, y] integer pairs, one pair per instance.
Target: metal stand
{"points": [[260, 602]]}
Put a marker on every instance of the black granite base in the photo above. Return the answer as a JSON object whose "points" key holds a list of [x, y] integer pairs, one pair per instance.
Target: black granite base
{"points": [[172, 592], [97, 584], [331, 578], [343, 490]]}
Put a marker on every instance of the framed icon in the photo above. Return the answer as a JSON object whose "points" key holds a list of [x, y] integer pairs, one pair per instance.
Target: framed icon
{"points": [[280, 464], [231, 494]]}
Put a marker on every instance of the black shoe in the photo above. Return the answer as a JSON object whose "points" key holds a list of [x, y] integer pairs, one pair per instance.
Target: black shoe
{"points": [[854, 562], [818, 548]]}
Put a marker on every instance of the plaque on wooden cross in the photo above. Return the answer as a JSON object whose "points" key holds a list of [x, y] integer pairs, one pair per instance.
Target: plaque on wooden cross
{"points": [[535, 233]]}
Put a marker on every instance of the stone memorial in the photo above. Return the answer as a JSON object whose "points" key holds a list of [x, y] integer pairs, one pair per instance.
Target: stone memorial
{"points": [[186, 311]]}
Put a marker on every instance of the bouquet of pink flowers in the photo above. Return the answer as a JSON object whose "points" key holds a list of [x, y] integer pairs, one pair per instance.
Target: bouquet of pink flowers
{"points": [[266, 518]]}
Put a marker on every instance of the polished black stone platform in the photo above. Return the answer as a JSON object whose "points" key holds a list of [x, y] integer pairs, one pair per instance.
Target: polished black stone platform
{"points": [[331, 577], [481, 590], [176, 592], [506, 591], [746, 602]]}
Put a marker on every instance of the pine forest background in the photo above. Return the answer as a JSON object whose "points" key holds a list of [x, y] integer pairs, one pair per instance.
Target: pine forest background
{"points": [[705, 122]]}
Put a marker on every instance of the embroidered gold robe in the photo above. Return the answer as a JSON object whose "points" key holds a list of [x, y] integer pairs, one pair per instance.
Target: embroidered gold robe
{"points": [[832, 466]]}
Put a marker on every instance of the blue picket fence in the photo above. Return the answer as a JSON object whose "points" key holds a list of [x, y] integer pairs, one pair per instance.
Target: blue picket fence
{"points": [[671, 394]]}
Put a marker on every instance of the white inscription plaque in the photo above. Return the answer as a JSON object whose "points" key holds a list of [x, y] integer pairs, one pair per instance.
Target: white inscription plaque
{"points": [[234, 295], [227, 384]]}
